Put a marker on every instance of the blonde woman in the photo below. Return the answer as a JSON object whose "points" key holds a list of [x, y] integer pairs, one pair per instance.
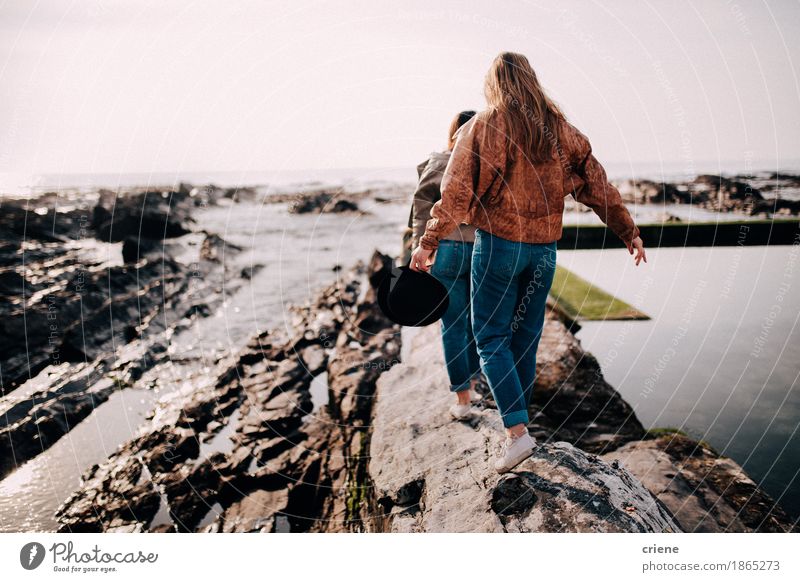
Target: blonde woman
{"points": [[511, 167]]}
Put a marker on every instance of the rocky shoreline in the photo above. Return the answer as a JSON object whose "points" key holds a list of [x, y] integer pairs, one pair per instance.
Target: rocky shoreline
{"points": [[433, 474], [286, 465], [382, 455], [93, 293], [335, 422]]}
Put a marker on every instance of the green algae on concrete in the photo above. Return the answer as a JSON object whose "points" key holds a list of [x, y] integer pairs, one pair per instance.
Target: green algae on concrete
{"points": [[581, 300]]}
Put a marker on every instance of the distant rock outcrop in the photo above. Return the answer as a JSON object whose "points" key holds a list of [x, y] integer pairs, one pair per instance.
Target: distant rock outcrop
{"points": [[152, 215], [757, 194], [321, 202]]}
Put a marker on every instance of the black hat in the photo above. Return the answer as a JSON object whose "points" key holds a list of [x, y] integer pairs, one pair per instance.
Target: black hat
{"points": [[412, 298]]}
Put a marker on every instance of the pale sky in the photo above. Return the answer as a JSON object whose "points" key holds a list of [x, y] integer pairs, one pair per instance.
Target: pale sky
{"points": [[140, 86]]}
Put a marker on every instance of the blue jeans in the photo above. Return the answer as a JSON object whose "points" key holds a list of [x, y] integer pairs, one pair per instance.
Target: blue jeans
{"points": [[452, 267], [510, 284]]}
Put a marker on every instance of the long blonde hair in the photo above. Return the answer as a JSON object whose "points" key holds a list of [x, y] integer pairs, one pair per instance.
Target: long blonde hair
{"points": [[513, 91]]}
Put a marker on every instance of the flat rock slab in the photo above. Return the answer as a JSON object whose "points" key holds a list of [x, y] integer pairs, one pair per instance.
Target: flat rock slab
{"points": [[434, 474]]}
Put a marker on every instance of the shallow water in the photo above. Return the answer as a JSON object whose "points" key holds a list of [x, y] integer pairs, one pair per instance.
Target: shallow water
{"points": [[721, 357], [298, 253], [30, 495]]}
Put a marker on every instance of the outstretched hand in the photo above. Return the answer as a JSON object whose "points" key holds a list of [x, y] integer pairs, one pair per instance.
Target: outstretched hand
{"points": [[637, 245], [420, 260]]}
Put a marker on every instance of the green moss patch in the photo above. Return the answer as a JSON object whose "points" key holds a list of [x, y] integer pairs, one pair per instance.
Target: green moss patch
{"points": [[581, 300]]}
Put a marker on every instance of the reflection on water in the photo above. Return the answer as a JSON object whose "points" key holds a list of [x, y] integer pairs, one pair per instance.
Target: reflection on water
{"points": [[30, 495], [721, 356]]}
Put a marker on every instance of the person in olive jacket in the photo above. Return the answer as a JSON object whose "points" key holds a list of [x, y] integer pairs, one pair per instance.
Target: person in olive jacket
{"points": [[452, 268]]}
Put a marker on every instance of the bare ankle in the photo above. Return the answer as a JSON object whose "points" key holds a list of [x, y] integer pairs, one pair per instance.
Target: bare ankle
{"points": [[463, 396], [517, 430]]}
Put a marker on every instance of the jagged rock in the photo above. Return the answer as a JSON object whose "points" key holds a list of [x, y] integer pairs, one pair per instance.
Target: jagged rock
{"points": [[135, 248], [309, 469], [190, 491], [40, 220], [705, 491], [251, 271], [562, 489], [69, 314], [31, 426], [114, 495], [321, 202], [81, 322], [399, 465], [258, 511], [214, 248], [151, 215], [435, 475], [571, 399]]}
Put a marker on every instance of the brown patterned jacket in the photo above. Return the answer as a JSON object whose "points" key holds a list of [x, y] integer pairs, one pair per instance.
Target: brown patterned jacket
{"points": [[428, 192], [521, 200]]}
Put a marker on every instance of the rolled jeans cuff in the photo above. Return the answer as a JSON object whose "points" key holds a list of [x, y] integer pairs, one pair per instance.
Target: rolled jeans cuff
{"points": [[460, 387], [514, 418], [465, 385]]}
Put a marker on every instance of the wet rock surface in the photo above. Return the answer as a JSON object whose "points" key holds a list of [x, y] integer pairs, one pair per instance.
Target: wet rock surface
{"points": [[283, 464], [704, 491], [88, 315], [150, 215], [572, 401]]}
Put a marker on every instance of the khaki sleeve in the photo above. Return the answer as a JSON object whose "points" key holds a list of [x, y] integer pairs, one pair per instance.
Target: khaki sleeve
{"points": [[474, 163], [426, 194], [598, 193]]}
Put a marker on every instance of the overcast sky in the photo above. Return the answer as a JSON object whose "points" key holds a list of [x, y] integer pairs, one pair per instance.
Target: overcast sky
{"points": [[140, 86]]}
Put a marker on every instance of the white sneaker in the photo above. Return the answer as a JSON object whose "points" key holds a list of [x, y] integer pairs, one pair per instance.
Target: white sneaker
{"points": [[460, 411], [514, 451]]}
